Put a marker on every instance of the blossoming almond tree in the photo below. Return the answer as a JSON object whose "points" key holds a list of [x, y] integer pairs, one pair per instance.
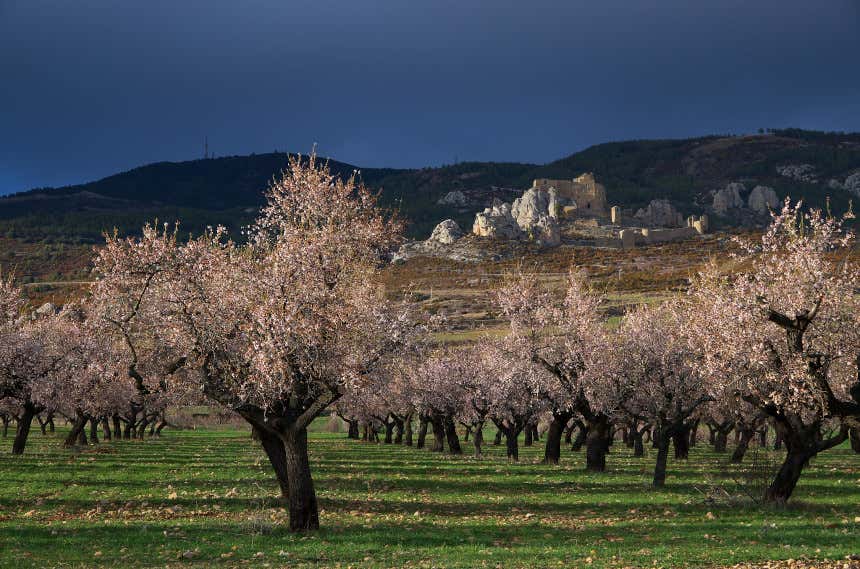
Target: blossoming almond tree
{"points": [[38, 360], [279, 328], [656, 375], [128, 307], [784, 337], [568, 341]]}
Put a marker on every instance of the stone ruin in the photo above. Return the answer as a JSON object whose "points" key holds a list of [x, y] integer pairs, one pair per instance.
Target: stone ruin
{"points": [[550, 205], [540, 215]]}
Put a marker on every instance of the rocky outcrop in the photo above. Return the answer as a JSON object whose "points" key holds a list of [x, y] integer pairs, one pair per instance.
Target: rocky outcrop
{"points": [[533, 216], [546, 231], [800, 172], [660, 213], [496, 222], [763, 199], [455, 198], [850, 185], [533, 205], [445, 242], [729, 198], [446, 232], [536, 214]]}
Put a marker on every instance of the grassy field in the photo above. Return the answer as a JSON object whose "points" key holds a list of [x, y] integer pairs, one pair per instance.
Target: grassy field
{"points": [[209, 494]]}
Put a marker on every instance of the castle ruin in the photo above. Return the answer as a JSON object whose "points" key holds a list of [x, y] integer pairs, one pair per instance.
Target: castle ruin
{"points": [[584, 194]]}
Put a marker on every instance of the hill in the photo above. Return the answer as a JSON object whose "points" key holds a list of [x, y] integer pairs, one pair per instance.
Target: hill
{"points": [[228, 190]]}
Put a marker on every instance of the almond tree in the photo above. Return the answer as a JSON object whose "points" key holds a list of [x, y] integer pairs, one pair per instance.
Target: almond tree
{"points": [[515, 390], [783, 335], [438, 393], [656, 375], [568, 341], [37, 357], [279, 328], [133, 278]]}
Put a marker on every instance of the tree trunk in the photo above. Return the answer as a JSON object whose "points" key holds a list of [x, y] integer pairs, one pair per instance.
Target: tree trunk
{"points": [[438, 434], [408, 431], [273, 445], [94, 431], [497, 440], [422, 431], [352, 430], [117, 427], [478, 440], [694, 433], [527, 441], [106, 434], [803, 443], [82, 435], [568, 435], [743, 445], [160, 427], [783, 484], [304, 514], [581, 435], [43, 425], [721, 440], [552, 451], [855, 439], [638, 445], [513, 448], [389, 432], [777, 440], [398, 431], [468, 431], [141, 429], [762, 437], [22, 429], [77, 431], [535, 433], [662, 460], [681, 442], [451, 436], [596, 444], [5, 420], [126, 432]]}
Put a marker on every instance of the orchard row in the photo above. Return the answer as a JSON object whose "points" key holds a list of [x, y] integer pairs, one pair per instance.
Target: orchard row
{"points": [[291, 323]]}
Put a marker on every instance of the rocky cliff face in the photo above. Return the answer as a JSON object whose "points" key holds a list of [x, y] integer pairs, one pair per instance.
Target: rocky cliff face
{"points": [[455, 198], [729, 198], [533, 216], [446, 232], [763, 199], [533, 205], [496, 222], [850, 185]]}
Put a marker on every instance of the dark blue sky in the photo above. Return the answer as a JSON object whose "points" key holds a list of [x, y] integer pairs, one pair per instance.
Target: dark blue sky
{"points": [[89, 88]]}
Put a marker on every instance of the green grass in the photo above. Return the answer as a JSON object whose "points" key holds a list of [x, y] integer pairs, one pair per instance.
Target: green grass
{"points": [[143, 503]]}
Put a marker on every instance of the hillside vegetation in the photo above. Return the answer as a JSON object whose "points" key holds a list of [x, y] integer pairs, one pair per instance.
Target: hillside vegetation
{"points": [[228, 190]]}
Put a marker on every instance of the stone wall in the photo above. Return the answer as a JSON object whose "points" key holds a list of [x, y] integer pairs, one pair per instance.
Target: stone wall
{"points": [[629, 238]]}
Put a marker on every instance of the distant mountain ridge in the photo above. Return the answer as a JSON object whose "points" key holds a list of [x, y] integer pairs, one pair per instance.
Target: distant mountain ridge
{"points": [[228, 190]]}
